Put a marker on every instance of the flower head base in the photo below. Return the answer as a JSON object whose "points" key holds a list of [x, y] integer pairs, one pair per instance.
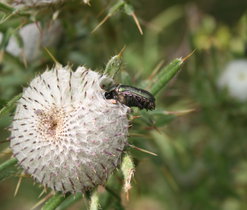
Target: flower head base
{"points": [[66, 135], [234, 79]]}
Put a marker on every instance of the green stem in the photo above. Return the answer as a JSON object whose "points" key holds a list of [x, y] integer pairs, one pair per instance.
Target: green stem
{"points": [[69, 201], [54, 202], [7, 164]]}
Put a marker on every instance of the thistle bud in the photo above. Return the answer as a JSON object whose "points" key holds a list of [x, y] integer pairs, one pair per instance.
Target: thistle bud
{"points": [[65, 134]]}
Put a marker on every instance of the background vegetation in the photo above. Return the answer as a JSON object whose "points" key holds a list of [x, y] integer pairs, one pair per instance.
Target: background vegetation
{"points": [[201, 161]]}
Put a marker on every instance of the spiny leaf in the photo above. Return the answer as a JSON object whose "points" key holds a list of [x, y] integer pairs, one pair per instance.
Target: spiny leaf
{"points": [[166, 75], [117, 6]]}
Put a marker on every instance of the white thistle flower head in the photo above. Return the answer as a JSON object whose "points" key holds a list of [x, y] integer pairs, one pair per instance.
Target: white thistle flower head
{"points": [[34, 38], [65, 134], [234, 79]]}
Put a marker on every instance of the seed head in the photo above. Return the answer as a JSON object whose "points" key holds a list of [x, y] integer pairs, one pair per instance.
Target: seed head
{"points": [[65, 134]]}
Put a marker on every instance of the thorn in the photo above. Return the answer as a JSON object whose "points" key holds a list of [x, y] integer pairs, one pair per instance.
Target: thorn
{"points": [[55, 15], [133, 117], [186, 57], [5, 152], [153, 127], [42, 200], [142, 150], [120, 54], [4, 141], [9, 128], [52, 57], [101, 23], [18, 185], [137, 23], [42, 193], [180, 112], [136, 134]]}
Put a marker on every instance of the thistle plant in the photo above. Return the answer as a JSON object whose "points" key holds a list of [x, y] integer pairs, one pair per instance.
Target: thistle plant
{"points": [[67, 137]]}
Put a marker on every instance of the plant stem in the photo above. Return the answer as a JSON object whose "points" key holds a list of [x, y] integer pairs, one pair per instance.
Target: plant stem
{"points": [[7, 164], [54, 202], [69, 201]]}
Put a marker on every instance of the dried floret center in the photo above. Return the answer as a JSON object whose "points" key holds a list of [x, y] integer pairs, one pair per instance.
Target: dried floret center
{"points": [[50, 123]]}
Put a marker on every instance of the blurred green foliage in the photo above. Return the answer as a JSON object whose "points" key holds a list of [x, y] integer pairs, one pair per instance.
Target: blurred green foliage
{"points": [[201, 161]]}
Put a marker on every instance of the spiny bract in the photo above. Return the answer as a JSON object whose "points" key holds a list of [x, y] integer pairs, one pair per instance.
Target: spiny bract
{"points": [[65, 134]]}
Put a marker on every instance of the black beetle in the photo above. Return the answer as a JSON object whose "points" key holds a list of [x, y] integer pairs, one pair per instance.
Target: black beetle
{"points": [[132, 97]]}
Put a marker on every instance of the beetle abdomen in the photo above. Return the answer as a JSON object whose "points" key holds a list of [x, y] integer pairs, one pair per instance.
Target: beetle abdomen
{"points": [[133, 99]]}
